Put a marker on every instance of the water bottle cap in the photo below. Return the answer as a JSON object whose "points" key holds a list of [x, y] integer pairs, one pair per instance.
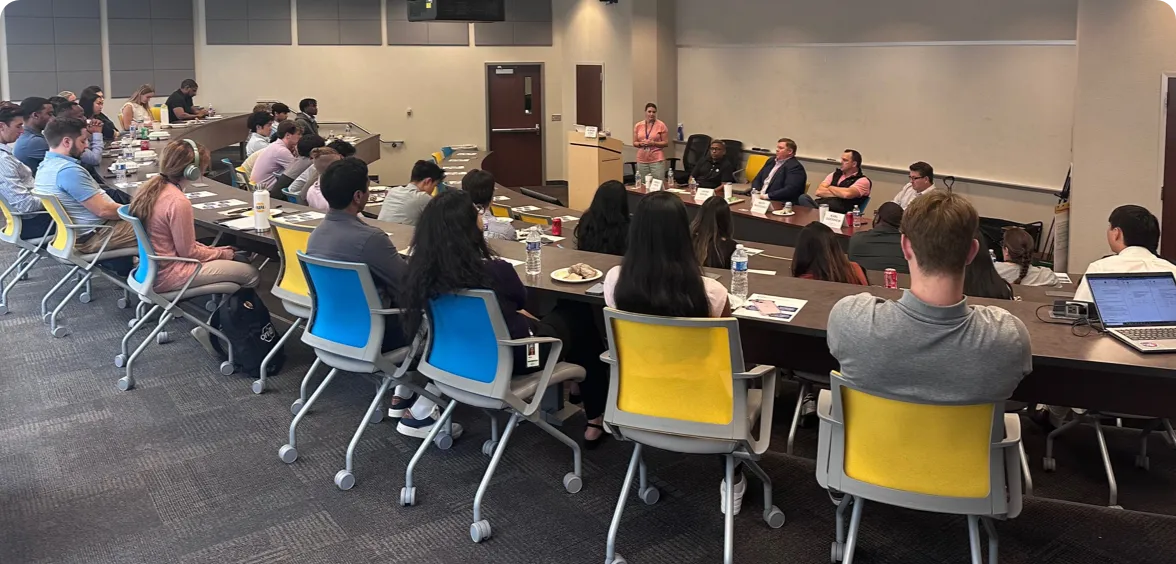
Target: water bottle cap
{"points": [[739, 246]]}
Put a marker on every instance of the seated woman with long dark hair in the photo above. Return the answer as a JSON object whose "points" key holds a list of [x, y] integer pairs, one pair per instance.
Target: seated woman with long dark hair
{"points": [[981, 280], [713, 233], [819, 256], [604, 227]]}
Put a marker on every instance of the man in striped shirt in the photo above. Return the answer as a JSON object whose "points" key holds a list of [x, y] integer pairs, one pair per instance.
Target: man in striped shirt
{"points": [[16, 180]]}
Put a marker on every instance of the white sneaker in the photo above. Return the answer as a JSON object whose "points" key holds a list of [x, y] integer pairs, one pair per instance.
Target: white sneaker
{"points": [[740, 489], [419, 428], [203, 337]]}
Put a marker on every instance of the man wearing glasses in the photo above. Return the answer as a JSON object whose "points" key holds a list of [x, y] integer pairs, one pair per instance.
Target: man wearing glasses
{"points": [[922, 180]]}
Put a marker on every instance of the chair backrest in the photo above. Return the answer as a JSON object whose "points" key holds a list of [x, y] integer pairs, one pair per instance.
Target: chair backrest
{"points": [[12, 222], [142, 278], [734, 152], [343, 298], [865, 204], [438, 157], [931, 456], [676, 375], [755, 163], [63, 241], [697, 146], [500, 210], [463, 349], [232, 172], [535, 219], [292, 238], [156, 112], [446, 151]]}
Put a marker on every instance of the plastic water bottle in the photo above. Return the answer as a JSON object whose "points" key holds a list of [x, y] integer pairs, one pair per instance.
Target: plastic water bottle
{"points": [[692, 184], [120, 173], [261, 209], [347, 130], [857, 216], [739, 273], [534, 251]]}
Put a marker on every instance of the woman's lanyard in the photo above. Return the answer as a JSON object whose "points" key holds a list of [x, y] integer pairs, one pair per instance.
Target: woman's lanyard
{"points": [[648, 129]]}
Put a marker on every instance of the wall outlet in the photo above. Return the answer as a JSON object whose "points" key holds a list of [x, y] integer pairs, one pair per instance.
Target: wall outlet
{"points": [[409, 112]]}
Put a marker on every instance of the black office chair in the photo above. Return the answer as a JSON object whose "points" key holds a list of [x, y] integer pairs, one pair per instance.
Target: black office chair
{"points": [[697, 146], [630, 175], [735, 154], [993, 230]]}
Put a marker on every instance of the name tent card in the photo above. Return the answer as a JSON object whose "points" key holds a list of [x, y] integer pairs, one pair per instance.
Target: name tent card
{"points": [[703, 194], [761, 206], [655, 185], [591, 132], [834, 220]]}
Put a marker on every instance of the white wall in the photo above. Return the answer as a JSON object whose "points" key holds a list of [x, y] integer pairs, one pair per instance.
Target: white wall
{"points": [[598, 34]]}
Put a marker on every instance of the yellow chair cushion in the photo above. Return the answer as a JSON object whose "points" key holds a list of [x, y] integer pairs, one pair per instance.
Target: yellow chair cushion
{"points": [[674, 372], [9, 227], [926, 449], [755, 163], [293, 241]]}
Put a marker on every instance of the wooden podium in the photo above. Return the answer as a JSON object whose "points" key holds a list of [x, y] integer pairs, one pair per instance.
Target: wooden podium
{"points": [[591, 162]]}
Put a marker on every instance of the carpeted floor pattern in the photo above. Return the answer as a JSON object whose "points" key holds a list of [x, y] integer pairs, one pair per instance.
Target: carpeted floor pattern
{"points": [[184, 468]]}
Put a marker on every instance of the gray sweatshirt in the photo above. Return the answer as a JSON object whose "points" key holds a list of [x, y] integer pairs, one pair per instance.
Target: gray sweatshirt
{"points": [[910, 350]]}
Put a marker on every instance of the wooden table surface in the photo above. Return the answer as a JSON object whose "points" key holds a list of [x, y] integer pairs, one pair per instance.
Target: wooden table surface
{"points": [[1094, 371]]}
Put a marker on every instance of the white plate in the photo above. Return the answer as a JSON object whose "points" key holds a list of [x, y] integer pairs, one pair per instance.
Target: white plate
{"points": [[783, 213], [554, 276]]}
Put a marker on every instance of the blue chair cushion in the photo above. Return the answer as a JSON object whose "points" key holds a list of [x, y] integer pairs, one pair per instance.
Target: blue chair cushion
{"points": [[463, 338], [341, 311]]}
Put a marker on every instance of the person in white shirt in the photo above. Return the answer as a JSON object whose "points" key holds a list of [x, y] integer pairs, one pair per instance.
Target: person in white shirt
{"points": [[1134, 237], [922, 180], [259, 132], [1017, 268]]}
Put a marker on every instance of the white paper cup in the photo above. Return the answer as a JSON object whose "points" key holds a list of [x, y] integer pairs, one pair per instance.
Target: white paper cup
{"points": [[824, 210], [727, 191]]}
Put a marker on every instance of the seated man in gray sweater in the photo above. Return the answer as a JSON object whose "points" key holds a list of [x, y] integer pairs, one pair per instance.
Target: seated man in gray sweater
{"points": [[930, 345]]}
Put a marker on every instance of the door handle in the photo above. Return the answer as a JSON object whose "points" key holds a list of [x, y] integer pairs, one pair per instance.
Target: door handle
{"points": [[517, 130]]}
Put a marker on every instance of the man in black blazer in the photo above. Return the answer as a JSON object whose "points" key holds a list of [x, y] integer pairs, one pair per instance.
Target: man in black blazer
{"points": [[784, 179]]}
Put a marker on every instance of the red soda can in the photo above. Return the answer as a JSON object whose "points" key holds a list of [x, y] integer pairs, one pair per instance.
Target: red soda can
{"points": [[145, 145], [849, 220], [557, 227], [892, 278]]}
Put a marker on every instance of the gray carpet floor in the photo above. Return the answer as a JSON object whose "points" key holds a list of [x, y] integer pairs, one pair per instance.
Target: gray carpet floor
{"points": [[184, 468]]}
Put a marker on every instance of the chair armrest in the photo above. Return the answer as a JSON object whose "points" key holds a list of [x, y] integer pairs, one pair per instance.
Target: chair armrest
{"points": [[606, 357], [529, 341], [548, 368], [759, 371], [767, 406], [173, 259], [393, 311], [1012, 425], [1013, 478], [29, 214], [87, 226], [825, 407]]}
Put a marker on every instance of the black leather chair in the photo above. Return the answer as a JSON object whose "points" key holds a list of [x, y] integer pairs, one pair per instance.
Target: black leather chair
{"points": [[697, 146], [993, 230], [735, 155]]}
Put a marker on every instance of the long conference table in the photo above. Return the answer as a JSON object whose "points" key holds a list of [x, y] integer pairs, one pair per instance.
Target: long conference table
{"points": [[1094, 372]]}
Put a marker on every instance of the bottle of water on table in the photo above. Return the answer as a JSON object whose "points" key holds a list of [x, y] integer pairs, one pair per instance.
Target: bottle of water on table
{"points": [[739, 274], [120, 173], [534, 251]]}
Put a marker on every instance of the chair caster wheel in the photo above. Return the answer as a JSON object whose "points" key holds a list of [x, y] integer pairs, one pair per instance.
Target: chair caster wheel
{"points": [[488, 447], [210, 306], [837, 552], [132, 322], [1115, 507], [257, 386], [774, 517], [226, 368], [1143, 462], [480, 531], [162, 338], [59, 332], [573, 483], [444, 441], [377, 417], [618, 560], [345, 480], [121, 303], [120, 360], [408, 497], [45, 317], [1049, 464], [649, 495], [288, 454], [125, 384], [296, 406], [85, 297]]}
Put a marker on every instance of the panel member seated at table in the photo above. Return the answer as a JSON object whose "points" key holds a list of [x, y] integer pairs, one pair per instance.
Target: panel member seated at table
{"points": [[932, 331], [844, 188], [650, 137], [922, 177], [259, 125], [881, 247], [715, 170], [713, 233], [322, 158], [307, 110], [16, 180], [604, 226], [1133, 234], [819, 256], [297, 169], [138, 108], [480, 185], [167, 215], [404, 204], [272, 161], [1017, 268], [180, 104], [784, 179], [30, 147], [281, 114]]}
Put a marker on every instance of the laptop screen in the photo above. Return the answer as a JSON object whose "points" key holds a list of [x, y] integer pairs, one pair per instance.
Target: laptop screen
{"points": [[1128, 300]]}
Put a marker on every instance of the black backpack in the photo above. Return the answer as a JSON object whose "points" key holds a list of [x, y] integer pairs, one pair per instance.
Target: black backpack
{"points": [[245, 321]]}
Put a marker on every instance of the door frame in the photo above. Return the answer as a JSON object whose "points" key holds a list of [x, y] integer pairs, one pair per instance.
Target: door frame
{"points": [[543, 117], [603, 91], [1165, 115]]}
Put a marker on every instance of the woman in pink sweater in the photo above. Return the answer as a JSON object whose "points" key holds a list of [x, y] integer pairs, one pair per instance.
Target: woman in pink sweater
{"points": [[167, 215]]}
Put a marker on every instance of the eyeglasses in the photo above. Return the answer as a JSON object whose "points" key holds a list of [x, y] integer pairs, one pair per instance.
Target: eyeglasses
{"points": [[914, 178]]}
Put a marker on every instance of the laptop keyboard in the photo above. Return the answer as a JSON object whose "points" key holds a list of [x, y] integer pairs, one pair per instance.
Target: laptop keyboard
{"points": [[1150, 333]]}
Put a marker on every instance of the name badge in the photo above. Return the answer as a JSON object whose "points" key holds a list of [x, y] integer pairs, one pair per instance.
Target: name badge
{"points": [[834, 220], [761, 206], [533, 356], [655, 185], [704, 194], [591, 132]]}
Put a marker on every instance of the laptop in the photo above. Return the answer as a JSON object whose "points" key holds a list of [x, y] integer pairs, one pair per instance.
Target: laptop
{"points": [[1138, 309]]}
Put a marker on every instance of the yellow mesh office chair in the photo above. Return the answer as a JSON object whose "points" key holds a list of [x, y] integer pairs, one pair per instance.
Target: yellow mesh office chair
{"points": [[291, 288], [534, 219], [30, 250], [438, 157], [500, 210], [156, 112], [755, 163], [680, 385], [957, 459]]}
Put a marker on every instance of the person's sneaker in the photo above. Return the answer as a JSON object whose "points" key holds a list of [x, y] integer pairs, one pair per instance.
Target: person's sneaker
{"points": [[808, 410], [419, 428], [399, 406], [204, 338], [740, 488]]}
